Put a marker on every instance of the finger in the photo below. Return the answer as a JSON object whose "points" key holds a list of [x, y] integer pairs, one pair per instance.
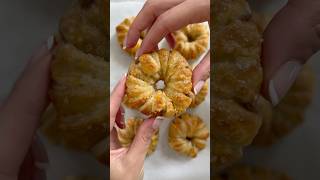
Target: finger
{"points": [[39, 153], [116, 99], [22, 109], [170, 40], [139, 147], [148, 14], [27, 167], [286, 50], [114, 141], [201, 73], [174, 19]]}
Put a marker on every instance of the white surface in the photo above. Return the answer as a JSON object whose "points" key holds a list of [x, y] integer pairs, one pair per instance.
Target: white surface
{"points": [[164, 163]]}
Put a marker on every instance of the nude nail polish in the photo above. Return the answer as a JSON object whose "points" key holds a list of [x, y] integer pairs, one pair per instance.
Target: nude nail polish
{"points": [[282, 80]]}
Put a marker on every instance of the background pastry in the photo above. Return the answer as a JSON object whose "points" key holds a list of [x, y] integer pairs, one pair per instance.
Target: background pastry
{"points": [[201, 96], [188, 135], [122, 31], [192, 40], [142, 91], [127, 135]]}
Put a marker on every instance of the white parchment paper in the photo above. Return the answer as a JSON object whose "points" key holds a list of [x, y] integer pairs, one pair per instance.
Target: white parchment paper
{"points": [[164, 163]]}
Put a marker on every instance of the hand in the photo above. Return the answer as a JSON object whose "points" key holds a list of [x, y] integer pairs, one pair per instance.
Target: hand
{"points": [[291, 38], [162, 17], [19, 118], [127, 163]]}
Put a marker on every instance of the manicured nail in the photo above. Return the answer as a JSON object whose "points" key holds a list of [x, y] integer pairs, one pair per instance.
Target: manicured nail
{"points": [[157, 122], [138, 54], [282, 81], [124, 43], [50, 42], [197, 88]]}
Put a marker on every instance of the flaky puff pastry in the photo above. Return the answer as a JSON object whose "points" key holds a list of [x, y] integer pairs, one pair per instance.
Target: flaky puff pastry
{"points": [[127, 135], [192, 40], [188, 135], [200, 97], [79, 78], [122, 31], [289, 113], [246, 172], [141, 91], [236, 81]]}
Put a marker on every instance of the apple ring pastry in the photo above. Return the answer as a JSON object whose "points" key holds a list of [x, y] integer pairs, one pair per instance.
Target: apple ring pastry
{"points": [[188, 135], [236, 81], [150, 70], [122, 30], [192, 40], [127, 135], [79, 77]]}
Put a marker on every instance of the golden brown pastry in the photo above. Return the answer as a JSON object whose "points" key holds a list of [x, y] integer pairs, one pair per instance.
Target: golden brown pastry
{"points": [[285, 117], [122, 30], [236, 80], [142, 92], [127, 135], [79, 78], [188, 135], [192, 40], [245, 172], [200, 97]]}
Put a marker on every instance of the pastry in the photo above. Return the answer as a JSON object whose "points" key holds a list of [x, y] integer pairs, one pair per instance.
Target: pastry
{"points": [[245, 172], [145, 75], [79, 78], [188, 135], [122, 30], [200, 97], [192, 40], [127, 135], [289, 113], [236, 81]]}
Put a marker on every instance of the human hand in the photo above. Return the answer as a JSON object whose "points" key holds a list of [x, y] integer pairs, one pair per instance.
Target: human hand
{"points": [[291, 38], [127, 163], [19, 119], [162, 17]]}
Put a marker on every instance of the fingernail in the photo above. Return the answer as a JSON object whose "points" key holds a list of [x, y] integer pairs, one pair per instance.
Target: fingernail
{"points": [[138, 53], [283, 80], [157, 122], [124, 43], [198, 87], [42, 165], [50, 42]]}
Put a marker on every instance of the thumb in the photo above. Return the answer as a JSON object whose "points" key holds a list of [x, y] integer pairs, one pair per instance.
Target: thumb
{"points": [[201, 73], [291, 39], [139, 147]]}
